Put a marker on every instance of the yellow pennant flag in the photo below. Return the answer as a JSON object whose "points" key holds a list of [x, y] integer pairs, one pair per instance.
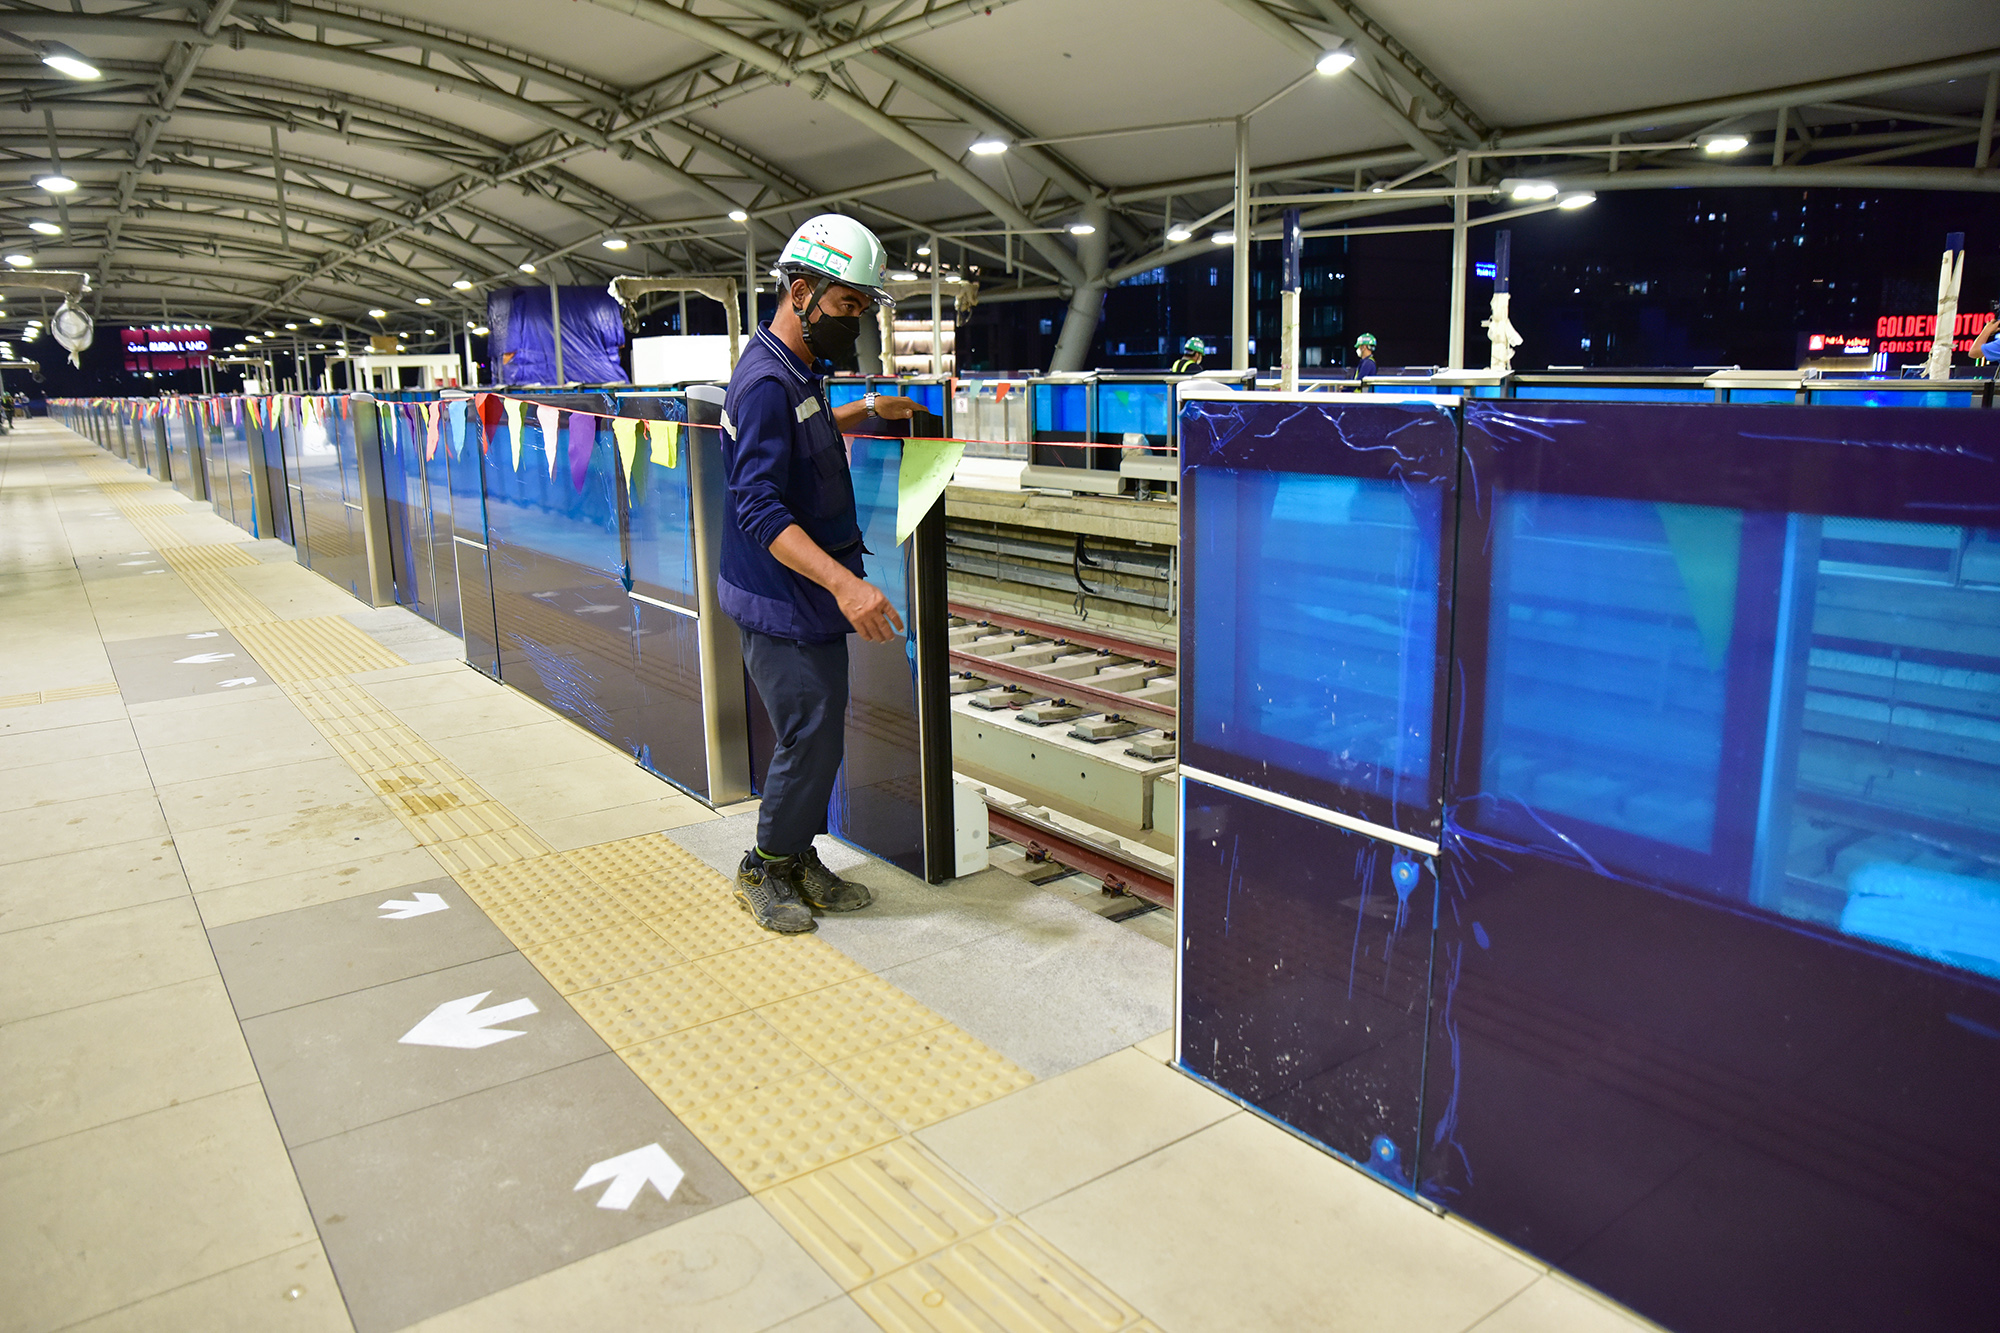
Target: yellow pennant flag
{"points": [[626, 431], [513, 407], [669, 434]]}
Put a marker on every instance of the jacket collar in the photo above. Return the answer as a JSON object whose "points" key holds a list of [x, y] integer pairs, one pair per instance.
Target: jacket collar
{"points": [[786, 356]]}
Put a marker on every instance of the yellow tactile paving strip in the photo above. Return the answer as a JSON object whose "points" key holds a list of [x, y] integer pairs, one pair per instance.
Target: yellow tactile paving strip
{"points": [[57, 695], [801, 1070]]}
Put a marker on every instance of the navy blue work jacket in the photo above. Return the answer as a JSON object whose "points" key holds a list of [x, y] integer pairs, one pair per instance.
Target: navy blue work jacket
{"points": [[786, 464]]}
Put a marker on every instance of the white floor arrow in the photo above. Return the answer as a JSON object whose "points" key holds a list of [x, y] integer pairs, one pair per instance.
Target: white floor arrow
{"points": [[203, 659], [454, 1023], [402, 909], [240, 680], [630, 1173]]}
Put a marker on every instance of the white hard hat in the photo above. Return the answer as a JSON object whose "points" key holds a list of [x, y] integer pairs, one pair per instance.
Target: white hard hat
{"points": [[843, 250]]}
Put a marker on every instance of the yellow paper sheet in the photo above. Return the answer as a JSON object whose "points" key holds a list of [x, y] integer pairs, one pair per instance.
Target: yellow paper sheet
{"points": [[926, 471]]}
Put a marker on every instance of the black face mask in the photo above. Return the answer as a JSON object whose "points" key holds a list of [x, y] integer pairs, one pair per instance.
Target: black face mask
{"points": [[830, 337]]}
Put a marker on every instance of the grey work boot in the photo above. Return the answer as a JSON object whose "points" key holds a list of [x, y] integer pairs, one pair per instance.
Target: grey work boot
{"points": [[768, 891], [825, 890]]}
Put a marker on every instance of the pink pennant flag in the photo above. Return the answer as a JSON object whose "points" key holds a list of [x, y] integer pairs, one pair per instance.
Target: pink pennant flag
{"points": [[431, 416]]}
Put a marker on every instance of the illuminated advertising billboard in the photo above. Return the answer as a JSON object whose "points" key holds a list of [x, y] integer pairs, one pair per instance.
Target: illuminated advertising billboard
{"points": [[166, 347]]}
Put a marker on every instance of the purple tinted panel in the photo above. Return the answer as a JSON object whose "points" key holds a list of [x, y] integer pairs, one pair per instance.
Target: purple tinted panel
{"points": [[1306, 973]]}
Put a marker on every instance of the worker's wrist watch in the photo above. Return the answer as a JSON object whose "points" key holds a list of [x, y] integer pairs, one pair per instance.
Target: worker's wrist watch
{"points": [[868, 402]]}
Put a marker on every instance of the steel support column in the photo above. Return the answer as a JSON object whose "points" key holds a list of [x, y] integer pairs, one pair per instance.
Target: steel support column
{"points": [[1239, 278], [1454, 358]]}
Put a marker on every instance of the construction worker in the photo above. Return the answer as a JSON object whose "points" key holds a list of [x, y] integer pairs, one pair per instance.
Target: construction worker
{"points": [[791, 574], [1192, 351], [1364, 356]]}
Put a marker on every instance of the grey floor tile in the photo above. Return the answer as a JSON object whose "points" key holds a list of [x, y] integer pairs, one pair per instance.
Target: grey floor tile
{"points": [[337, 1064], [431, 1210], [1057, 993], [313, 953], [176, 665]]}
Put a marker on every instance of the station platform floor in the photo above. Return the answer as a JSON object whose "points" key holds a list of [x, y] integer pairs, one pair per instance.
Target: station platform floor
{"points": [[342, 988]]}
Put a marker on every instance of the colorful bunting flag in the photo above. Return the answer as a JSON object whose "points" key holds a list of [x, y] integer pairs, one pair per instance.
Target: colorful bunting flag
{"points": [[431, 419], [582, 444], [512, 407], [670, 431], [626, 431], [549, 419], [455, 423]]}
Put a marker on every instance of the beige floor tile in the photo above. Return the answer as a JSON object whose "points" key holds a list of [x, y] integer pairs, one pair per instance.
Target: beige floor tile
{"points": [[293, 591], [271, 718], [841, 1316], [94, 1221], [72, 780], [580, 787], [51, 745], [190, 761], [337, 833], [319, 884], [1159, 1046], [261, 793], [96, 1063], [96, 879], [1055, 1135], [409, 671], [493, 709], [1290, 1240], [437, 687], [151, 624], [292, 1291], [626, 821], [66, 713], [1555, 1305], [81, 961], [488, 754], [73, 826], [724, 1271]]}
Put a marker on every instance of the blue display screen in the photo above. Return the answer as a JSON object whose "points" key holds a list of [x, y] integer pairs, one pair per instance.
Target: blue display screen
{"points": [[1061, 407], [1135, 409]]}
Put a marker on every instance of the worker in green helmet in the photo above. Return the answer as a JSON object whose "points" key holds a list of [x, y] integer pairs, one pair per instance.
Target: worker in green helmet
{"points": [[1192, 351], [1364, 356]]}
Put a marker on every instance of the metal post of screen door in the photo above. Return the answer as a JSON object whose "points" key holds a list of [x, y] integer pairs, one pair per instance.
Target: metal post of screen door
{"points": [[1239, 278], [1454, 358], [937, 309]]}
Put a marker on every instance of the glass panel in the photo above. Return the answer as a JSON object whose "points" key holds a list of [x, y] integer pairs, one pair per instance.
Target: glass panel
{"points": [[1879, 395], [1061, 408], [1137, 409], [1617, 393], [1310, 599]]}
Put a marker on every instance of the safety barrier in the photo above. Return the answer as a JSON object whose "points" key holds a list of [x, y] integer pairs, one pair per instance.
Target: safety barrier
{"points": [[571, 540], [1592, 826]]}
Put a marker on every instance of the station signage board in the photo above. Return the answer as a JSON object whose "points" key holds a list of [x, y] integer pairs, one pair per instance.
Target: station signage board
{"points": [[166, 347]]}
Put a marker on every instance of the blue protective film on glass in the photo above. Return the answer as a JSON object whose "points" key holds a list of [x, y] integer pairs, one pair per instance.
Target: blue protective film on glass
{"points": [[1061, 408], [1617, 393], [1137, 409], [1311, 628]]}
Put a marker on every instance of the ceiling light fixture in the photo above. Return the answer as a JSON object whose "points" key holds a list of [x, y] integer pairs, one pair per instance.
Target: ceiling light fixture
{"points": [[1082, 229], [481, 330], [1179, 235], [68, 61], [1223, 238], [526, 268], [614, 242], [291, 326], [924, 249], [462, 285], [21, 261], [1335, 60], [1530, 191], [315, 320], [56, 183], [378, 314], [738, 215], [423, 300], [988, 147], [45, 228], [1576, 200], [1722, 144]]}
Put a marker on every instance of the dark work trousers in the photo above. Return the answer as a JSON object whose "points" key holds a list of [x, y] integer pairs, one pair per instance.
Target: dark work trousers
{"points": [[804, 687]]}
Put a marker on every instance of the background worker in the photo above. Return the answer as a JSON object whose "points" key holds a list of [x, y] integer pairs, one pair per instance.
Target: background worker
{"points": [[791, 575], [1192, 352], [1364, 356]]}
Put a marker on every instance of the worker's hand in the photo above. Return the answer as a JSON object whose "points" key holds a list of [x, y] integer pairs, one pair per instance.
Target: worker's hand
{"points": [[869, 611], [891, 408]]}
